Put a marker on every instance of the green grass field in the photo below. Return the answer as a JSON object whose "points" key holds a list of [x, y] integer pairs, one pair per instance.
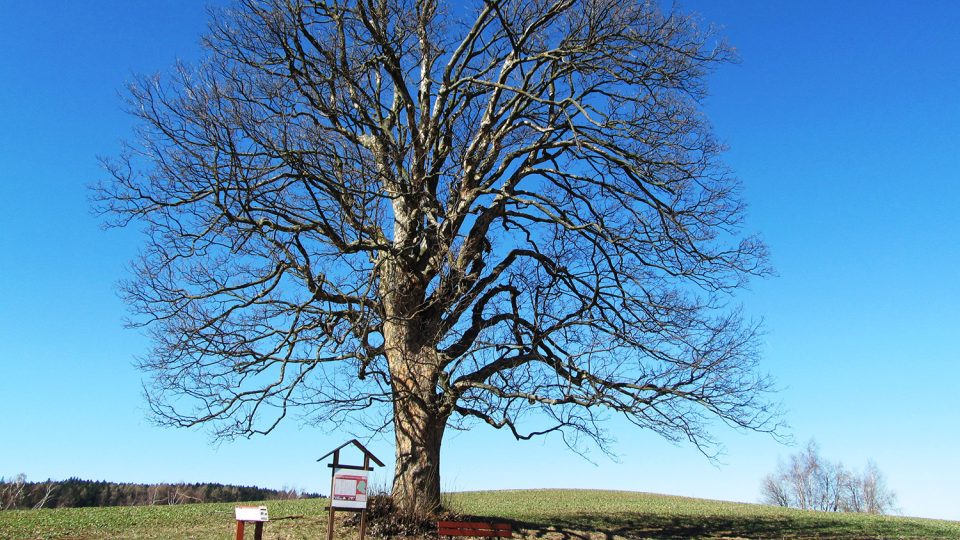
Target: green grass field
{"points": [[536, 514]]}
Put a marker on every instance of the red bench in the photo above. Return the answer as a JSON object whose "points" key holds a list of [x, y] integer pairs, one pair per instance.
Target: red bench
{"points": [[474, 528]]}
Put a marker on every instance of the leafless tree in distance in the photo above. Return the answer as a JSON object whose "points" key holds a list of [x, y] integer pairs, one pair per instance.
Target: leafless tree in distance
{"points": [[809, 482], [11, 491], [441, 213], [48, 489]]}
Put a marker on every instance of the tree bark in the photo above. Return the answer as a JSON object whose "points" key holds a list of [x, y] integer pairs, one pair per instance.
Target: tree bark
{"points": [[418, 425], [418, 419], [416, 483]]}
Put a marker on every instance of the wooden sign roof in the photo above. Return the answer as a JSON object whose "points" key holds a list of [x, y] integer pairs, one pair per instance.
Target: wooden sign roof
{"points": [[358, 445]]}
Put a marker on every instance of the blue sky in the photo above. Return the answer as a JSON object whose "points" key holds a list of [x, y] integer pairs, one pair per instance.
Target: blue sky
{"points": [[843, 121]]}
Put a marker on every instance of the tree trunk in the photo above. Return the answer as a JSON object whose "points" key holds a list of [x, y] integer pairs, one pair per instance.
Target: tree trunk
{"points": [[417, 418], [419, 432]]}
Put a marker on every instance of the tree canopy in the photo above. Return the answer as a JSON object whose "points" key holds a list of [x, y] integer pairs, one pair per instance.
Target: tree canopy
{"points": [[442, 213]]}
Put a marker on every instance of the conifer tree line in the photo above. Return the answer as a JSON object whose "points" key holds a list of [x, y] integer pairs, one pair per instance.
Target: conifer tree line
{"points": [[18, 493]]}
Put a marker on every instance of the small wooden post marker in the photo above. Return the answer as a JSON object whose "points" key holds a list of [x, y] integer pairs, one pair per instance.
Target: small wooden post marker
{"points": [[348, 485], [251, 514]]}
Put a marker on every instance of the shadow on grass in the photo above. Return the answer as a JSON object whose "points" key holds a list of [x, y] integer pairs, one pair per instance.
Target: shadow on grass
{"points": [[607, 527]]}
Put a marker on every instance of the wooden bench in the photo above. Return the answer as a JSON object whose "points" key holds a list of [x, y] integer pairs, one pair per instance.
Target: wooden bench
{"points": [[474, 528]]}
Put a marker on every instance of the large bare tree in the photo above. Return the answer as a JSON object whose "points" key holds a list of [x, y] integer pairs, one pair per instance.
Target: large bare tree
{"points": [[447, 212]]}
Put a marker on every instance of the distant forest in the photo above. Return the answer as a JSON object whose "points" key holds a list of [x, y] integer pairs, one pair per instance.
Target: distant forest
{"points": [[17, 493]]}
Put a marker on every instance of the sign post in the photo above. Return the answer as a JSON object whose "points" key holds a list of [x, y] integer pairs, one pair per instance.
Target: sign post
{"points": [[348, 486], [251, 514]]}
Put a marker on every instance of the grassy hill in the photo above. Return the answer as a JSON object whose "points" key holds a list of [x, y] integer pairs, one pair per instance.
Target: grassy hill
{"points": [[540, 514]]}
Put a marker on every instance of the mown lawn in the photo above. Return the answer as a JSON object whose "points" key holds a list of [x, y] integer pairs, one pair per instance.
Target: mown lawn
{"points": [[536, 514]]}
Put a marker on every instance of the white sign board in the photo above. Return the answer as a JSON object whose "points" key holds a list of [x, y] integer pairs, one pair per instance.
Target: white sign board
{"points": [[349, 489], [251, 513]]}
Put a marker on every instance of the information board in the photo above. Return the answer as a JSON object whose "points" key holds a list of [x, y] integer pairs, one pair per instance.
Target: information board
{"points": [[349, 489]]}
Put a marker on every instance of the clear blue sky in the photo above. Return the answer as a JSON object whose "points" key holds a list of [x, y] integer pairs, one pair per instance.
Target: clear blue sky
{"points": [[843, 121]]}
